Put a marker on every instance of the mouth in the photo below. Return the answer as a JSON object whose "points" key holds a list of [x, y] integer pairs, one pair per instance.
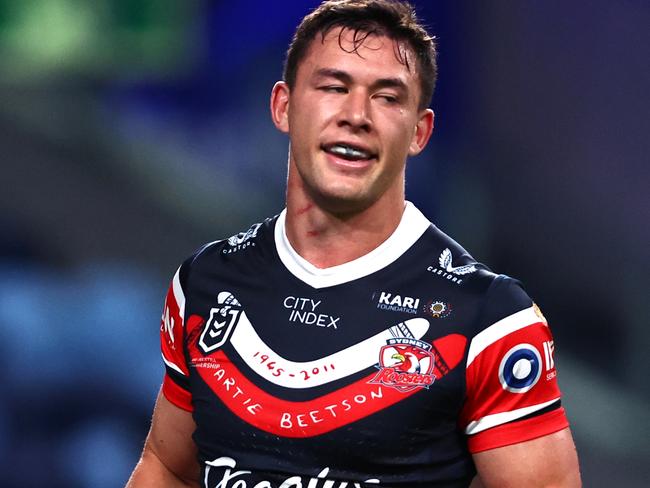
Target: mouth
{"points": [[349, 152]]}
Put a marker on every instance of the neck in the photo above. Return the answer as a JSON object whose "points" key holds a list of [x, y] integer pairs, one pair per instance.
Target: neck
{"points": [[325, 238]]}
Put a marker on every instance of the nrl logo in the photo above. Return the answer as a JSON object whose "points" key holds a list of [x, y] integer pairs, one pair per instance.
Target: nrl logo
{"points": [[221, 322], [405, 364]]}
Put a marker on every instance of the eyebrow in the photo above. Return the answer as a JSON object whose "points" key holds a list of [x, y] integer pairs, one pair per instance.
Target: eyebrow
{"points": [[347, 78]]}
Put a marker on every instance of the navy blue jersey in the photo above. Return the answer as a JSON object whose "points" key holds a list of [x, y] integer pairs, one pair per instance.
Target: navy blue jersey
{"points": [[388, 370]]}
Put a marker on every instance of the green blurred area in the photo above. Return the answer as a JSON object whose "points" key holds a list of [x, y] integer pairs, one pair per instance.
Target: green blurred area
{"points": [[41, 39]]}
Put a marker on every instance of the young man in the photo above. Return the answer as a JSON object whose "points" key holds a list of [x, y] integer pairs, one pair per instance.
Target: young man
{"points": [[348, 341]]}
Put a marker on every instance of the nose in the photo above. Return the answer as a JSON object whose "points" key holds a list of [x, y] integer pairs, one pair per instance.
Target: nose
{"points": [[355, 112]]}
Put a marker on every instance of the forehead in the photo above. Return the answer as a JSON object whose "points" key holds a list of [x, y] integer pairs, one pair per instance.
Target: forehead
{"points": [[368, 53]]}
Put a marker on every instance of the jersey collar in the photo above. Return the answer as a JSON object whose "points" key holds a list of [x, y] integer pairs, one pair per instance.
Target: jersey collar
{"points": [[409, 230]]}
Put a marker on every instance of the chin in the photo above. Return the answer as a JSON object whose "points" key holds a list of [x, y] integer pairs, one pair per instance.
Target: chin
{"points": [[342, 202]]}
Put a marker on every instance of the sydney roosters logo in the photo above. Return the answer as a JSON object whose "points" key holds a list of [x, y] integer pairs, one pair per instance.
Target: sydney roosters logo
{"points": [[405, 364]]}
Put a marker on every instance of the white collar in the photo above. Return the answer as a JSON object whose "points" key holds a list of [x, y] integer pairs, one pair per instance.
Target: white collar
{"points": [[410, 229]]}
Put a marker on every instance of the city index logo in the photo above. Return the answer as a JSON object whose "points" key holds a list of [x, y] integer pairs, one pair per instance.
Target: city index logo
{"points": [[305, 311], [396, 303]]}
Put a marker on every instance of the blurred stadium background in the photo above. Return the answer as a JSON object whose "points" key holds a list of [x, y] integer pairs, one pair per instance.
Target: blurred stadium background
{"points": [[132, 131]]}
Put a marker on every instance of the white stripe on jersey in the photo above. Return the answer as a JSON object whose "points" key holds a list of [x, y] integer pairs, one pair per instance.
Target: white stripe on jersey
{"points": [[172, 365], [292, 374], [179, 296], [495, 419], [500, 329]]}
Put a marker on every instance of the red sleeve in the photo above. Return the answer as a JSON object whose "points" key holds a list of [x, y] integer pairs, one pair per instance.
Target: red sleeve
{"points": [[512, 390], [176, 382]]}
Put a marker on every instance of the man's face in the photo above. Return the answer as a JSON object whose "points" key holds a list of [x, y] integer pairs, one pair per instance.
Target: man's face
{"points": [[353, 118]]}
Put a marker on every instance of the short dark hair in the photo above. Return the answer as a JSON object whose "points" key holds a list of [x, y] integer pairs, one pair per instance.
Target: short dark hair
{"points": [[391, 18]]}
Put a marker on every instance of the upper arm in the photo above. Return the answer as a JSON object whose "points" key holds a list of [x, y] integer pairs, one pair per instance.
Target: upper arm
{"points": [[170, 439], [512, 394], [169, 457], [517, 430], [548, 461]]}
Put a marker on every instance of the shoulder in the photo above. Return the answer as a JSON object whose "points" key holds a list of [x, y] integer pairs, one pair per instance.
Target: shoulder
{"points": [[451, 262], [490, 295], [504, 297], [245, 249]]}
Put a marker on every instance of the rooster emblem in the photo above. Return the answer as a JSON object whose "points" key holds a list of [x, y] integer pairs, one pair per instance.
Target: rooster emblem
{"points": [[407, 361], [405, 366]]}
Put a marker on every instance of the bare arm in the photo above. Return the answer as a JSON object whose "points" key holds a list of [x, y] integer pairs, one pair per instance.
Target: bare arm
{"points": [[169, 455], [546, 462]]}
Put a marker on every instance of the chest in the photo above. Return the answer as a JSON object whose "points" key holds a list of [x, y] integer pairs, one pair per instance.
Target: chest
{"points": [[367, 361]]}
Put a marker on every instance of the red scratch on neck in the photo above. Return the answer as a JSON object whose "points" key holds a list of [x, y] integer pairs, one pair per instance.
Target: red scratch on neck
{"points": [[305, 209], [312, 233]]}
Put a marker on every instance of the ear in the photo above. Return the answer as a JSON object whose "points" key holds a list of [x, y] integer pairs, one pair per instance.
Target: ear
{"points": [[423, 130], [280, 106]]}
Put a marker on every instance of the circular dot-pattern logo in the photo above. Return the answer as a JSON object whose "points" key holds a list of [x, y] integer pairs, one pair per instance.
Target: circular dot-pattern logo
{"points": [[437, 309], [520, 368]]}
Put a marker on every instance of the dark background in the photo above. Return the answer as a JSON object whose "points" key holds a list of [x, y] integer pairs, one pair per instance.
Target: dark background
{"points": [[132, 131]]}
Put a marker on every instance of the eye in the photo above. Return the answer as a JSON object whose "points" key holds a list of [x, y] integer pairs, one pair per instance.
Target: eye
{"points": [[333, 89], [390, 99]]}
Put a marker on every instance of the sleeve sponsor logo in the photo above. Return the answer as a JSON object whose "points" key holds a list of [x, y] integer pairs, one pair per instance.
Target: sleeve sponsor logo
{"points": [[549, 349], [167, 326], [171, 322], [520, 368]]}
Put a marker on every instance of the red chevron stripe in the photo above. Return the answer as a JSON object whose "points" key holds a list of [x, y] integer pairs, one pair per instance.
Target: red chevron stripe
{"points": [[313, 417]]}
